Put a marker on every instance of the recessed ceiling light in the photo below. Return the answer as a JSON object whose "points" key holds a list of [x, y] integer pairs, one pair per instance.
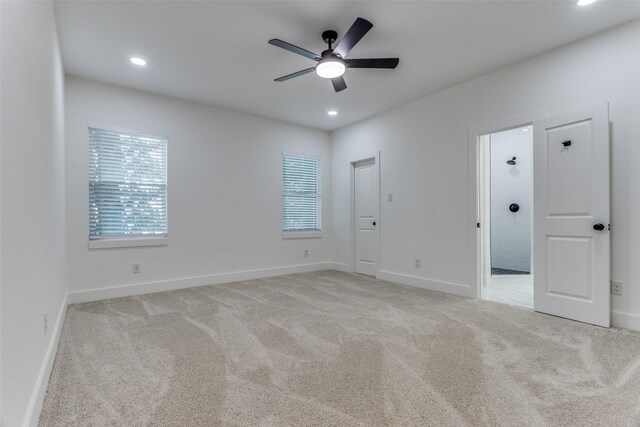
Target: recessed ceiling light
{"points": [[138, 61], [332, 112], [586, 2]]}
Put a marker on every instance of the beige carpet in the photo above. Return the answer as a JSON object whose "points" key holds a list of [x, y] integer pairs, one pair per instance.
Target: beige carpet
{"points": [[331, 348]]}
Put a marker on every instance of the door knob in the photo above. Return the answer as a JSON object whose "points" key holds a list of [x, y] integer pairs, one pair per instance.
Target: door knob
{"points": [[514, 207], [598, 227], [374, 223]]}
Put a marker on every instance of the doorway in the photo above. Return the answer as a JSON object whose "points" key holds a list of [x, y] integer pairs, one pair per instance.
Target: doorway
{"points": [[570, 262], [365, 215], [507, 204]]}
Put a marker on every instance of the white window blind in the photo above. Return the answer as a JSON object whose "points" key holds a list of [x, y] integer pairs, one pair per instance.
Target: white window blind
{"points": [[301, 195], [127, 185]]}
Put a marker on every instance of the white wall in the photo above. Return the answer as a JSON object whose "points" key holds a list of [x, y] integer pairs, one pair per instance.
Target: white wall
{"points": [[511, 231], [424, 152], [32, 212], [224, 193]]}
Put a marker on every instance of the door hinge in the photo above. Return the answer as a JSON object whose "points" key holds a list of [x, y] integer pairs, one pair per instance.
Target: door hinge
{"points": [[609, 227]]}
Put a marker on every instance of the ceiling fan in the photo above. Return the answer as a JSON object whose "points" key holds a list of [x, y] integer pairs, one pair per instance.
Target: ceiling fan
{"points": [[332, 63]]}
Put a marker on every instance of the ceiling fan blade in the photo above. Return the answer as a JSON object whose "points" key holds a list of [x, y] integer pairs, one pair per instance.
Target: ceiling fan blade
{"points": [[295, 49], [296, 74], [339, 84], [372, 63], [353, 36]]}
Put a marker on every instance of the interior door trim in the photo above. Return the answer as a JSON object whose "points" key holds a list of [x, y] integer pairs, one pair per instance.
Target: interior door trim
{"points": [[475, 217]]}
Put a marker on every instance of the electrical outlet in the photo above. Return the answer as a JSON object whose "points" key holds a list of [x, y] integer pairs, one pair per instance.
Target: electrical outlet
{"points": [[306, 253], [46, 323], [135, 268], [616, 287], [417, 263]]}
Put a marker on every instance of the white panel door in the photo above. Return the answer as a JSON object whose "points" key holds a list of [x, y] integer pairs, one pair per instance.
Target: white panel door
{"points": [[571, 215], [365, 202]]}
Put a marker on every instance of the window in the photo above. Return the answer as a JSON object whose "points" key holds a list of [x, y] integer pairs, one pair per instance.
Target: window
{"points": [[301, 193], [127, 185]]}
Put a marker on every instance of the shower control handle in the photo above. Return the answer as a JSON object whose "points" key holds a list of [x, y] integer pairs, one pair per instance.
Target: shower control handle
{"points": [[598, 227]]}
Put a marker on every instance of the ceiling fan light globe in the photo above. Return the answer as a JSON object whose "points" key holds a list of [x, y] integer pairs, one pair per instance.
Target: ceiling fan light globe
{"points": [[330, 69]]}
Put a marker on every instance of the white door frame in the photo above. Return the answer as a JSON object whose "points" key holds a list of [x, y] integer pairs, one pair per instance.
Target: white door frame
{"points": [[484, 206], [375, 156], [475, 216]]}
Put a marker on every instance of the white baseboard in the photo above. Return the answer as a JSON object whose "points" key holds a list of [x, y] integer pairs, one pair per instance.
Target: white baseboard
{"points": [[434, 285], [98, 294], [37, 396], [625, 320], [340, 267]]}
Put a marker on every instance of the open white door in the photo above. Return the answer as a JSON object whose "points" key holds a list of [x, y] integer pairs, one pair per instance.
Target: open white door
{"points": [[571, 215], [365, 207]]}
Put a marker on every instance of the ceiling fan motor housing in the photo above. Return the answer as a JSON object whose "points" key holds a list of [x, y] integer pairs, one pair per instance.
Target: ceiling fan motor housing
{"points": [[328, 54]]}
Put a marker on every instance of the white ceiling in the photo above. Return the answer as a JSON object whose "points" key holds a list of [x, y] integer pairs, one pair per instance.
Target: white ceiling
{"points": [[216, 52]]}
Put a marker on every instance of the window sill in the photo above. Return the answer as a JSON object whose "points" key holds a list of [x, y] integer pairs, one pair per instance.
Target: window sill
{"points": [[301, 234], [127, 243]]}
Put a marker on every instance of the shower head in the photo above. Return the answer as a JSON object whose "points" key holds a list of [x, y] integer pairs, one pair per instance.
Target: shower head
{"points": [[512, 161]]}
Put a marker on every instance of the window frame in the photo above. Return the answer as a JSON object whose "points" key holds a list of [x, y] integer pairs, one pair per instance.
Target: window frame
{"points": [[128, 241], [302, 234]]}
